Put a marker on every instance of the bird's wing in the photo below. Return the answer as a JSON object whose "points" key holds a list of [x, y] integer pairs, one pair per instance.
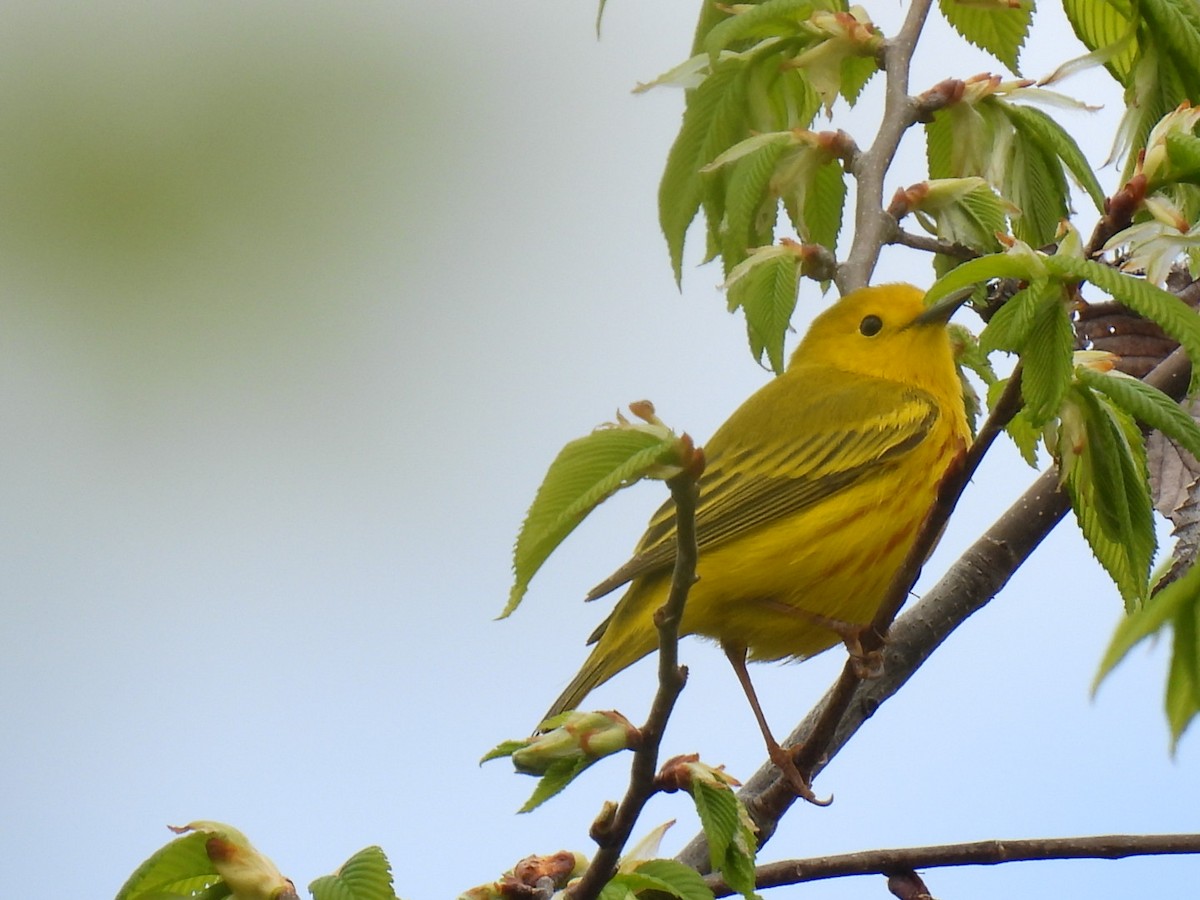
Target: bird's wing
{"points": [[854, 430]]}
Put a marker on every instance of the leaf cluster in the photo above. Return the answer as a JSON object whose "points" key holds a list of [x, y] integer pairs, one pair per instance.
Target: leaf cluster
{"points": [[213, 861]]}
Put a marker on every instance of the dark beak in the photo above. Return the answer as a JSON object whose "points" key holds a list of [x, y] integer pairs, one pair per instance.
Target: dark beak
{"points": [[940, 312]]}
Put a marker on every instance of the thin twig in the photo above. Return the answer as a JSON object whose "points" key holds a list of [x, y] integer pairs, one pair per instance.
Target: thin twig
{"points": [[871, 222], [932, 244], [612, 831], [978, 853]]}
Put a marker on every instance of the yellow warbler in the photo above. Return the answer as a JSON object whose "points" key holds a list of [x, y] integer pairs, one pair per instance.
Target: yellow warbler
{"points": [[812, 496]]}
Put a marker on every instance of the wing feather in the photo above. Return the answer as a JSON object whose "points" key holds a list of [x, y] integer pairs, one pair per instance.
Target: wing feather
{"points": [[867, 422]]}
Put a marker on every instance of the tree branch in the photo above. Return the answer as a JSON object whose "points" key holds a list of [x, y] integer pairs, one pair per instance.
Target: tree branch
{"points": [[613, 827], [871, 223], [931, 244], [978, 853]]}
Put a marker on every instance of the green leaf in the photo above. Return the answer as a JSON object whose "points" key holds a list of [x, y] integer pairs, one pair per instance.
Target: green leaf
{"points": [[1183, 150], [779, 97], [1106, 25], [750, 206], [1150, 618], [856, 72], [1183, 677], [1175, 26], [1147, 404], [824, 203], [1025, 435], [676, 879], [366, 875], [773, 18], [180, 868], [1046, 360], [985, 268], [998, 29], [557, 776], [1034, 181], [1034, 125], [714, 119], [731, 843], [1105, 476], [964, 211], [961, 140], [585, 472], [765, 286], [1174, 316], [1010, 325]]}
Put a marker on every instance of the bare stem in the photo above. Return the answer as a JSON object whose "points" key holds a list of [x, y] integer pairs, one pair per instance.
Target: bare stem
{"points": [[871, 223], [613, 833], [978, 853]]}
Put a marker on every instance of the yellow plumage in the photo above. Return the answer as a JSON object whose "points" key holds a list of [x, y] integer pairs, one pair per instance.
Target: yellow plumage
{"points": [[813, 493]]}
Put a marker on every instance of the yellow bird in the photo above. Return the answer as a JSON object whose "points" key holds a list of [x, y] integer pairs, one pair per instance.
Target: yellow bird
{"points": [[812, 496]]}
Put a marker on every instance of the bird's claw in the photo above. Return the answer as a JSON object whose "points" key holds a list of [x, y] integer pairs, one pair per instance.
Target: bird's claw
{"points": [[787, 765]]}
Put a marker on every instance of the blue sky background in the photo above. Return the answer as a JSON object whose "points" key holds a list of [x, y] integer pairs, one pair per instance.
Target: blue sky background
{"points": [[298, 302]]}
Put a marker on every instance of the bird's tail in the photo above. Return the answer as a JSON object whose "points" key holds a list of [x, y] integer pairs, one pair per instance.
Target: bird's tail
{"points": [[592, 675], [608, 657]]}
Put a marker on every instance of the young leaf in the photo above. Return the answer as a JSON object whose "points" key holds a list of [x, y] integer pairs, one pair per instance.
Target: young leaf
{"points": [[1148, 619], [765, 286], [1104, 469], [996, 27], [248, 874], [367, 875], [1175, 24], [772, 18], [1034, 181], [675, 879], [1183, 151], [181, 868], [959, 140], [1183, 678], [856, 72], [1147, 404], [824, 203], [1033, 125], [1046, 359], [750, 206], [729, 832], [566, 745], [556, 777], [713, 120], [1107, 26], [1010, 325], [585, 472], [1023, 266]]}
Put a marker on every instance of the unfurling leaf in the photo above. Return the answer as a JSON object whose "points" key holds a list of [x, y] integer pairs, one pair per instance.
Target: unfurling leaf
{"points": [[367, 875], [586, 472], [181, 868], [569, 744], [528, 877], [1102, 457], [765, 286], [997, 26], [1175, 606], [212, 859], [727, 825]]}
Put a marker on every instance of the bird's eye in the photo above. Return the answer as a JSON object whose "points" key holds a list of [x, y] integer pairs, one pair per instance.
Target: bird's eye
{"points": [[870, 326]]}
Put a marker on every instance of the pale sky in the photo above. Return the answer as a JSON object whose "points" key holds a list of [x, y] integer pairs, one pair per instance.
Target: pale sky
{"points": [[299, 301]]}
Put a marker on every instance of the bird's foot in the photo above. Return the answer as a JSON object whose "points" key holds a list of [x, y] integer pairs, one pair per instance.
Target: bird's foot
{"points": [[787, 765]]}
